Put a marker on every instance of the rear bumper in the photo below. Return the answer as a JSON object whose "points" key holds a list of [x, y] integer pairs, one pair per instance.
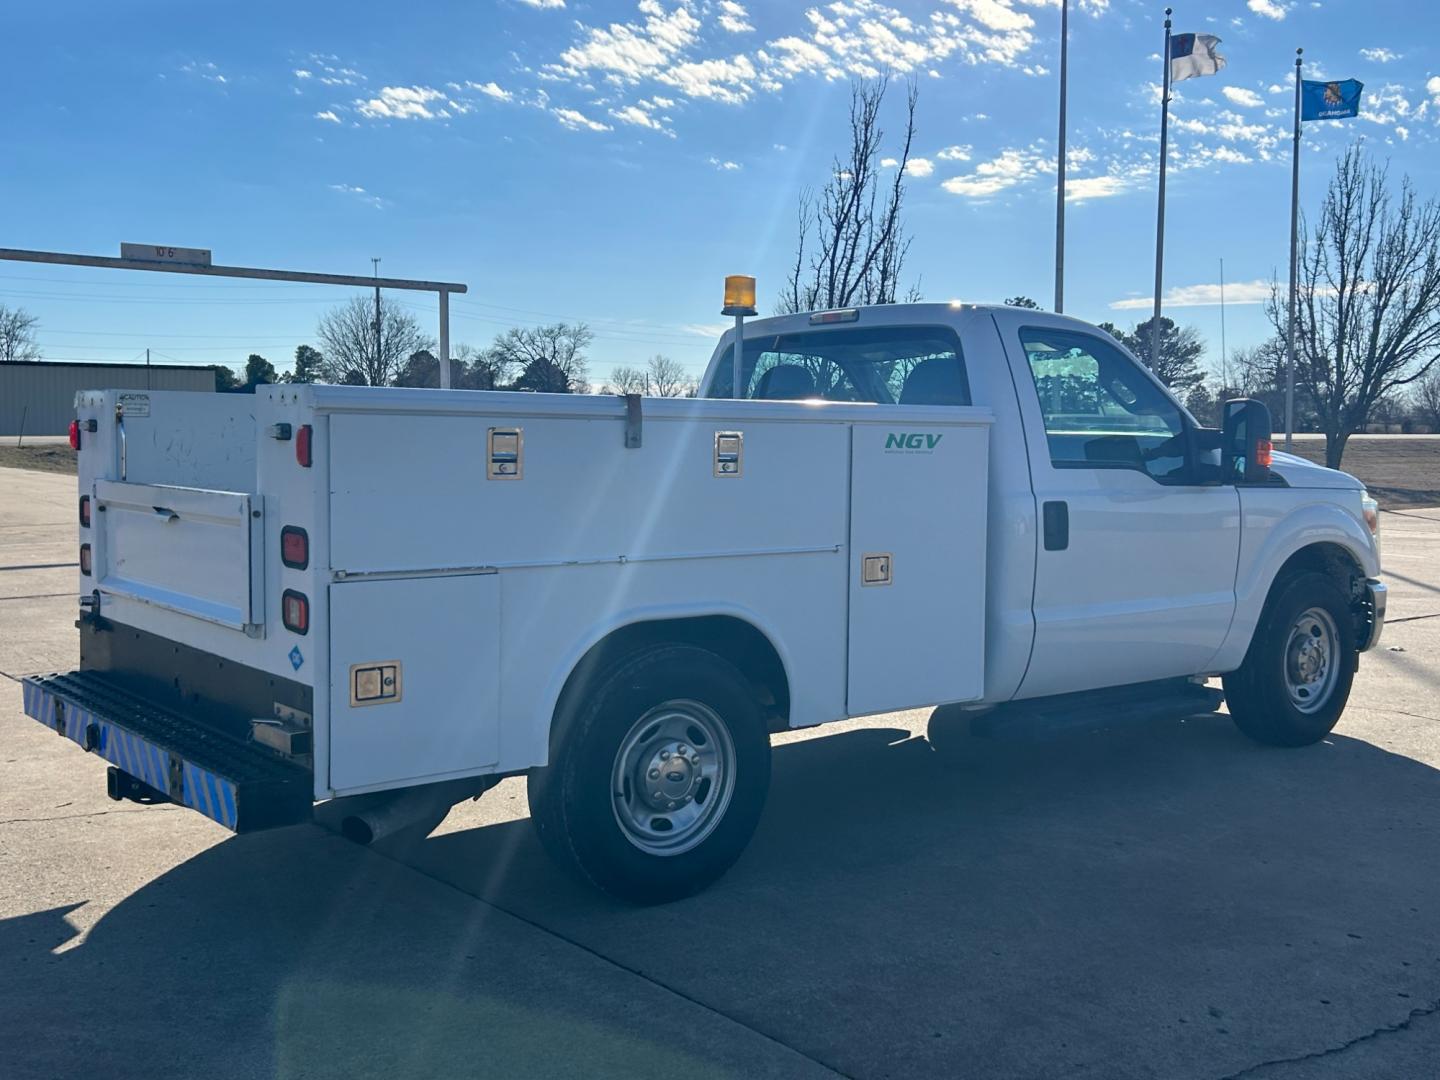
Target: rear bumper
{"points": [[1375, 598], [237, 784]]}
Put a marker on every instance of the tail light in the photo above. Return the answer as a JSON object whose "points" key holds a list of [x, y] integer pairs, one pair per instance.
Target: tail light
{"points": [[295, 611], [74, 434], [1264, 453], [295, 547], [304, 439], [85, 511], [85, 559]]}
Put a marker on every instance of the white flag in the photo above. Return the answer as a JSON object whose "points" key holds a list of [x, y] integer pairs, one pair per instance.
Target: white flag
{"points": [[1192, 55]]}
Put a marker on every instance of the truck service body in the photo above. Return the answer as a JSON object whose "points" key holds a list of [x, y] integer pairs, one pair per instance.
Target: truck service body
{"points": [[323, 593]]}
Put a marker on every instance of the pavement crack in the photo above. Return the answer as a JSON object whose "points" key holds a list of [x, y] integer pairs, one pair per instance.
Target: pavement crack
{"points": [[1420, 1013], [88, 814], [1413, 618]]}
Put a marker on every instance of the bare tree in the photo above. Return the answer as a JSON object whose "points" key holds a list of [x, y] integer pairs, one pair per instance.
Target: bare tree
{"points": [[550, 359], [1367, 299], [17, 335], [852, 245], [1425, 399], [482, 369], [354, 356], [627, 380], [661, 377]]}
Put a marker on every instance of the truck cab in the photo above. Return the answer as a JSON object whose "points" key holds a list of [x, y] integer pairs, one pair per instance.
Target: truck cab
{"points": [[381, 601]]}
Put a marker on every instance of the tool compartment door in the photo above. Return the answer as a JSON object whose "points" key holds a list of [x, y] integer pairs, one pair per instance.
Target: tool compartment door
{"points": [[414, 679], [190, 550], [917, 573]]}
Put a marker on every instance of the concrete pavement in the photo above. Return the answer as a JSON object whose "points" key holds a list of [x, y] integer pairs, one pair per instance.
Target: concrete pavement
{"points": [[1167, 901]]}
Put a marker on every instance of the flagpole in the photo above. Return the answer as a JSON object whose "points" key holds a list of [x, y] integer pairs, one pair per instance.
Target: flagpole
{"points": [[1224, 353], [1160, 214], [1294, 240], [1060, 163]]}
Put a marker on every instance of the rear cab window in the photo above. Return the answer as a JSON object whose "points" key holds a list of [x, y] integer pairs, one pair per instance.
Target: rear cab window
{"points": [[888, 365]]}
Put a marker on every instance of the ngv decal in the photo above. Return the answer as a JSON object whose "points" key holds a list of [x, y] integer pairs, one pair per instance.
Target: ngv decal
{"points": [[911, 442]]}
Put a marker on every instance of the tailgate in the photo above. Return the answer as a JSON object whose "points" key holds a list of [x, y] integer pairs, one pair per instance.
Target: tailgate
{"points": [[190, 550]]}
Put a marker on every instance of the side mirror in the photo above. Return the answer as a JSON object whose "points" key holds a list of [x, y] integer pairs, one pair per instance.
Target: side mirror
{"points": [[1245, 441]]}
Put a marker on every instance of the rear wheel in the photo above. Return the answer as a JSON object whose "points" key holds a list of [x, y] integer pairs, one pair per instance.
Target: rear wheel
{"points": [[657, 778], [1296, 677]]}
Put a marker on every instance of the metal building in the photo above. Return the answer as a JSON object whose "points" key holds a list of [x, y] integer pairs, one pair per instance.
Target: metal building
{"points": [[38, 397]]}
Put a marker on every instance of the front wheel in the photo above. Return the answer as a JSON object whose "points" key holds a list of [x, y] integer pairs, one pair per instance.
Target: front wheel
{"points": [[657, 778], [1296, 677]]}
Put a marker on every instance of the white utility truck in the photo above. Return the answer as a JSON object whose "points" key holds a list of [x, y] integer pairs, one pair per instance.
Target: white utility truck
{"points": [[396, 597]]}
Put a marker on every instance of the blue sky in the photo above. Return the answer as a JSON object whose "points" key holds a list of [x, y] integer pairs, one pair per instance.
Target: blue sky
{"points": [[612, 161]]}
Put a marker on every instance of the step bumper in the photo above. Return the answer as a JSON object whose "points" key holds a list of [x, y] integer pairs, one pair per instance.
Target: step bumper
{"points": [[239, 785]]}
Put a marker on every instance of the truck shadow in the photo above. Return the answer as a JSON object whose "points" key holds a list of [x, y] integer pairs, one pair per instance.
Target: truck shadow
{"points": [[1163, 900]]}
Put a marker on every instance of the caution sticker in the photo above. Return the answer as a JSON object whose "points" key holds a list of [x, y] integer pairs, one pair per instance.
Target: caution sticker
{"points": [[135, 404]]}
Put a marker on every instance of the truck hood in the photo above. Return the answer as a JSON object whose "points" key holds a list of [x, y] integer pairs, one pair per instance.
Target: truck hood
{"points": [[1301, 473]]}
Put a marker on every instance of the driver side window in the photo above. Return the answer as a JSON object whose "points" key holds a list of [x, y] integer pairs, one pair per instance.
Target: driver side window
{"points": [[1100, 409]]}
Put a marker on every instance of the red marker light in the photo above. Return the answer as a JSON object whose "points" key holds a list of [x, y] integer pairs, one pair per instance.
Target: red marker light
{"points": [[303, 440], [295, 547], [1264, 452], [85, 559], [85, 511], [74, 434]]}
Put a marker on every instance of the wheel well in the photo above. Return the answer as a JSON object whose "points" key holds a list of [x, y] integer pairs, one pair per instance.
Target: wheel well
{"points": [[725, 635], [1336, 563]]}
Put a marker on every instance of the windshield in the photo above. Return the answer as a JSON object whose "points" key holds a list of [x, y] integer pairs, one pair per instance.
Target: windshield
{"points": [[907, 365]]}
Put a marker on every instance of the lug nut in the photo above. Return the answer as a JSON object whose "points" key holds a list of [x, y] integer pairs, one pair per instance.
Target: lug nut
{"points": [[664, 755], [654, 774]]}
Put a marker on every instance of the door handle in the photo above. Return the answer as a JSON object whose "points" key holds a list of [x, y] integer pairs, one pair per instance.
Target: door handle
{"points": [[1056, 518]]}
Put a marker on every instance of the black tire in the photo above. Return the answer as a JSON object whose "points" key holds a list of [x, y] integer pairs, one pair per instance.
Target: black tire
{"points": [[1257, 694], [572, 801]]}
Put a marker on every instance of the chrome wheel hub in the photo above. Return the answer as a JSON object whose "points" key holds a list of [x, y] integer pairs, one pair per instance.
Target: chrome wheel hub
{"points": [[673, 777], [1312, 663]]}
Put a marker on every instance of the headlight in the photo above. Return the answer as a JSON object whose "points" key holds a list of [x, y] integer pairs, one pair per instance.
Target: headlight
{"points": [[1371, 509]]}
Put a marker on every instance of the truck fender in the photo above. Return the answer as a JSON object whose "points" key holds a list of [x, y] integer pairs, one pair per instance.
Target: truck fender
{"points": [[598, 632], [1273, 535]]}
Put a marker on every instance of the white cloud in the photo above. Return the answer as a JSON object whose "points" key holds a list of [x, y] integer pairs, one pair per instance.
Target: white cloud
{"points": [[734, 17], [1432, 87], [919, 167], [1379, 56], [492, 89], [1081, 188], [889, 162], [1268, 8], [1010, 167], [359, 193], [1240, 96], [729, 81], [402, 103], [577, 121], [328, 114], [955, 153], [205, 70], [726, 166], [642, 115], [843, 39], [326, 68], [1236, 292], [544, 4]]}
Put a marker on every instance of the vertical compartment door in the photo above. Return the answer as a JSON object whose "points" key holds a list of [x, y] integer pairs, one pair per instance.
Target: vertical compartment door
{"points": [[917, 565], [414, 679]]}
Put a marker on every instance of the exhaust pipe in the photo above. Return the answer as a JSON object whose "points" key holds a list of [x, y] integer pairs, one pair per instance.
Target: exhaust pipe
{"points": [[410, 807]]}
